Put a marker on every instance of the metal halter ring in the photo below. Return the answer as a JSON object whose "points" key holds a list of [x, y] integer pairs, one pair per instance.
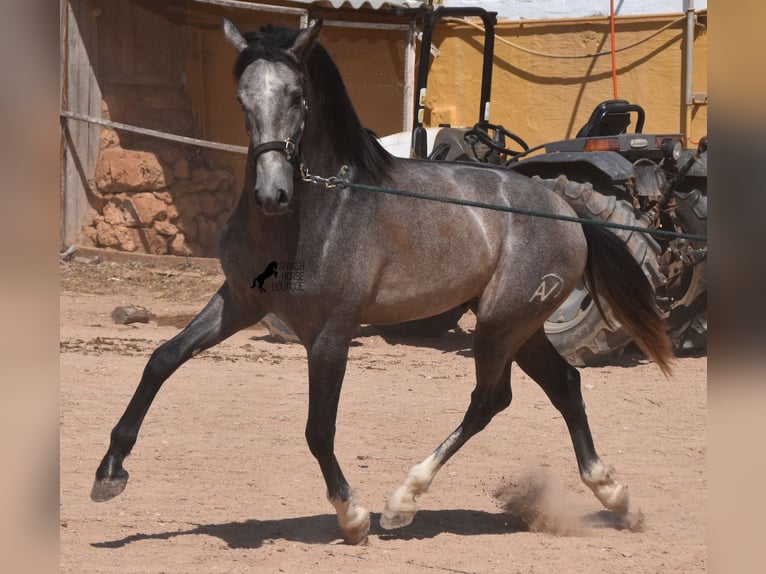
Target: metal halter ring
{"points": [[289, 149]]}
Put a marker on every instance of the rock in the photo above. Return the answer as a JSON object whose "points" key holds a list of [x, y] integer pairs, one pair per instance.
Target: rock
{"points": [[181, 188], [207, 232], [178, 122], [222, 219], [165, 228], [112, 105], [169, 153], [148, 208], [200, 175], [127, 237], [208, 203], [189, 205], [164, 196], [181, 169], [127, 314], [177, 245], [195, 249], [229, 199], [188, 226], [108, 138], [156, 243], [92, 217], [106, 236], [88, 235], [172, 212], [119, 170], [113, 214], [219, 180]]}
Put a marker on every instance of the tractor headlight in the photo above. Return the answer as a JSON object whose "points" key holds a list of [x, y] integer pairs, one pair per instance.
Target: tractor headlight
{"points": [[671, 149]]}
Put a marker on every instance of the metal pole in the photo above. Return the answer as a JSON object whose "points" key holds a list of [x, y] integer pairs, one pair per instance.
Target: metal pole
{"points": [[689, 65], [302, 12], [409, 77], [690, 21], [154, 133]]}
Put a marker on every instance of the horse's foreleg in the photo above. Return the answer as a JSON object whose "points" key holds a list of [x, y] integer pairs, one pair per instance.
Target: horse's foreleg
{"points": [[561, 383], [327, 358], [491, 395], [220, 318]]}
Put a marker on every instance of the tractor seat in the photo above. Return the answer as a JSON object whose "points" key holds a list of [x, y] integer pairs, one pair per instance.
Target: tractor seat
{"points": [[611, 118]]}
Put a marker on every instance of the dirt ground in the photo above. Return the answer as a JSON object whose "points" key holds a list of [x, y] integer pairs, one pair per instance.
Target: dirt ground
{"points": [[222, 480]]}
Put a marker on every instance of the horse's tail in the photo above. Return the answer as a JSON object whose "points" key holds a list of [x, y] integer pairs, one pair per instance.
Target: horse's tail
{"points": [[613, 273]]}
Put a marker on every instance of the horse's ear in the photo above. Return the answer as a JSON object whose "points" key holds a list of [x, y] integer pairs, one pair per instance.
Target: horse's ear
{"points": [[306, 39], [234, 36]]}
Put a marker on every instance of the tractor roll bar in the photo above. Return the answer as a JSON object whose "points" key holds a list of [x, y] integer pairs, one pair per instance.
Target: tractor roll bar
{"points": [[430, 20]]}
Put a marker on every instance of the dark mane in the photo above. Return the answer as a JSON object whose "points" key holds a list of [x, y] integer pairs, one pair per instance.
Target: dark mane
{"points": [[351, 142]]}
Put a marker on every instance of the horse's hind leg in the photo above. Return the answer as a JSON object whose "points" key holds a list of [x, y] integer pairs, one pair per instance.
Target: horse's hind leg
{"points": [[492, 394], [561, 383], [220, 318]]}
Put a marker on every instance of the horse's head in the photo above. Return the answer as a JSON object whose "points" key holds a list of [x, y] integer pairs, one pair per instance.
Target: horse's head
{"points": [[271, 91]]}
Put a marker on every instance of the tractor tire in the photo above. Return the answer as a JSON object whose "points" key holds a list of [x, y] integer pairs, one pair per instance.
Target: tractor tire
{"points": [[688, 314], [576, 328]]}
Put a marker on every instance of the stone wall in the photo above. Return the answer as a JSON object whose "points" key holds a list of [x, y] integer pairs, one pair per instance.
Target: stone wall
{"points": [[155, 196]]}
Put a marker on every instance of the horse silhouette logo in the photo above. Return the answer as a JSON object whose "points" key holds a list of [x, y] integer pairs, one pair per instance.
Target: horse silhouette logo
{"points": [[270, 271]]}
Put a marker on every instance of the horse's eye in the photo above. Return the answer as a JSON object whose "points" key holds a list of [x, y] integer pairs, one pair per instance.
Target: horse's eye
{"points": [[296, 101]]}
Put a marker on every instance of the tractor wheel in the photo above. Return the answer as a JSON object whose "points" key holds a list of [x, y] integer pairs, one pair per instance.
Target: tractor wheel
{"points": [[688, 293], [576, 328]]}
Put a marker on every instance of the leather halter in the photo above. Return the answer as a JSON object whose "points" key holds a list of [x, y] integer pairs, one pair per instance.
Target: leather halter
{"points": [[289, 147]]}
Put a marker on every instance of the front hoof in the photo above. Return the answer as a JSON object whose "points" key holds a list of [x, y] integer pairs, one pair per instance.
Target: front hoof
{"points": [[357, 535], [355, 531], [108, 488]]}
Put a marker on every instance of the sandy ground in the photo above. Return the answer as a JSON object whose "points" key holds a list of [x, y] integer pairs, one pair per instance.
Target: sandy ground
{"points": [[222, 480]]}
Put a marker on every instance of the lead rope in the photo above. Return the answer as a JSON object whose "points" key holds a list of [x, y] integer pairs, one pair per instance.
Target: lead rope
{"points": [[340, 181]]}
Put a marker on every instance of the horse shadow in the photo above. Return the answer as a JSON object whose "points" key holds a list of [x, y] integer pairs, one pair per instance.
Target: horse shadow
{"points": [[457, 340], [323, 528]]}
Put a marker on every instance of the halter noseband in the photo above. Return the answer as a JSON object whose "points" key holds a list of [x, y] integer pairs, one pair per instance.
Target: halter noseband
{"points": [[289, 147]]}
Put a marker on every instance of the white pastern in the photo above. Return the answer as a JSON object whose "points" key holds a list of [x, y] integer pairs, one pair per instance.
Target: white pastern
{"points": [[401, 507], [612, 493], [353, 519]]}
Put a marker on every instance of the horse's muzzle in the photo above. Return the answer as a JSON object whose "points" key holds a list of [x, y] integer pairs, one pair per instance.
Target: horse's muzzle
{"points": [[273, 183], [274, 201]]}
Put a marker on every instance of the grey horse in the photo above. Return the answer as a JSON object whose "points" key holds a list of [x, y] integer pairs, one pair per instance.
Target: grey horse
{"points": [[366, 257]]}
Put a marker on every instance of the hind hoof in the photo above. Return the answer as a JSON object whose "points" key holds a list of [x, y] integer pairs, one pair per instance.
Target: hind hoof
{"points": [[107, 489], [634, 521]]}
